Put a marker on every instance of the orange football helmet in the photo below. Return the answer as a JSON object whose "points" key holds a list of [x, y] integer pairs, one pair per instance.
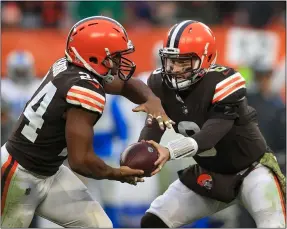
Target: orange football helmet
{"points": [[99, 44], [189, 42]]}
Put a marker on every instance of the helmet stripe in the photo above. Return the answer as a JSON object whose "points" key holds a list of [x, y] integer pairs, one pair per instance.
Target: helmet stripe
{"points": [[178, 35], [178, 32], [170, 34]]}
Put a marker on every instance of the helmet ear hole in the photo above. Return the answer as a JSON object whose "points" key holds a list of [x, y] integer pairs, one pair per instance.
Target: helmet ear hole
{"points": [[93, 60]]}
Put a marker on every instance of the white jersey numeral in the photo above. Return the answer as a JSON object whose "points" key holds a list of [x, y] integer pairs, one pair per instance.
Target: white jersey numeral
{"points": [[183, 126], [86, 76], [35, 117]]}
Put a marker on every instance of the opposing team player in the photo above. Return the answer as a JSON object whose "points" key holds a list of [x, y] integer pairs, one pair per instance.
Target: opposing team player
{"points": [[61, 114], [216, 126], [20, 83]]}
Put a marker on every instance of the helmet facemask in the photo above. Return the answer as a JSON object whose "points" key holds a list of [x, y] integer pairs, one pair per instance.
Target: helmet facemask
{"points": [[120, 65], [180, 71], [115, 63]]}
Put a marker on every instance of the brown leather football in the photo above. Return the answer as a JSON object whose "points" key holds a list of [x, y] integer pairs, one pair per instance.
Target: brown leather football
{"points": [[140, 155]]}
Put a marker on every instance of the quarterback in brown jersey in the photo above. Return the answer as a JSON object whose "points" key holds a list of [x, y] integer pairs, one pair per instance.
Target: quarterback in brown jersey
{"points": [[58, 123], [214, 125]]}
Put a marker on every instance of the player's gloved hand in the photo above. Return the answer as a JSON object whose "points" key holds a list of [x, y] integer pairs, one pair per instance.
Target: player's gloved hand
{"points": [[155, 110], [127, 175], [163, 156]]}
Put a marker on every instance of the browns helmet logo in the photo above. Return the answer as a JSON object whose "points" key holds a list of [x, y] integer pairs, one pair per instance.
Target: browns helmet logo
{"points": [[205, 180]]}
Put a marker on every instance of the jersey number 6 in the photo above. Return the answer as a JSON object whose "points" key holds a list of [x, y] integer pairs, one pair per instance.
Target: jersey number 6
{"points": [[185, 126], [192, 127]]}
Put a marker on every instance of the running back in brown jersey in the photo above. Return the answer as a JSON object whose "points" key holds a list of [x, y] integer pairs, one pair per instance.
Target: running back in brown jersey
{"points": [[38, 141], [219, 94], [62, 114]]}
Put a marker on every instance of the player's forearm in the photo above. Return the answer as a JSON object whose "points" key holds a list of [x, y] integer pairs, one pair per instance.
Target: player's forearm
{"points": [[137, 91], [212, 131], [152, 132], [93, 167]]}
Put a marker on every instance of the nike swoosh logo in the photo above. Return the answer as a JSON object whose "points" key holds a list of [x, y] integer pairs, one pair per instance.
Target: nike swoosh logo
{"points": [[95, 84], [226, 73]]}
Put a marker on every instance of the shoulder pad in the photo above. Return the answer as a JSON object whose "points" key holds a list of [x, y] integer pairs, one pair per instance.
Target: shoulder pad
{"points": [[231, 89], [68, 74], [156, 71], [155, 77], [59, 66], [87, 94], [155, 81], [222, 70]]}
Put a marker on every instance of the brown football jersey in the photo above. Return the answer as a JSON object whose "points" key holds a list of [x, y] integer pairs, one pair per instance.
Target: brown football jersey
{"points": [[220, 94], [38, 140]]}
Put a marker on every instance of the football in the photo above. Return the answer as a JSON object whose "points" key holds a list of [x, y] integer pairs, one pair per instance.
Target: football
{"points": [[140, 155]]}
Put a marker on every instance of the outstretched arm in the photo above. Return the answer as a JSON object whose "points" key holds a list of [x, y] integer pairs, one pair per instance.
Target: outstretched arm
{"points": [[82, 159], [138, 92]]}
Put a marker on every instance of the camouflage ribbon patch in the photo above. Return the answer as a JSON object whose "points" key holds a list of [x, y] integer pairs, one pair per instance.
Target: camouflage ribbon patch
{"points": [[269, 160]]}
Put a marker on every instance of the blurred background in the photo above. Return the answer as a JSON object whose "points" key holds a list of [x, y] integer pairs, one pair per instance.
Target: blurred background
{"points": [[250, 37]]}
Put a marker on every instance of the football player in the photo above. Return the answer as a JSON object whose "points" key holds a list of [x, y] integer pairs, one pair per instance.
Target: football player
{"points": [[57, 122], [20, 83], [215, 126]]}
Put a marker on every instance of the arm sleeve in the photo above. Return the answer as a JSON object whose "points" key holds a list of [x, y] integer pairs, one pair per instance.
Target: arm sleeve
{"points": [[212, 131], [87, 95]]}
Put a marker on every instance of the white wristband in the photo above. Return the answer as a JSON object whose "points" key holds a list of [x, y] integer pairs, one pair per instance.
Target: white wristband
{"points": [[182, 147]]}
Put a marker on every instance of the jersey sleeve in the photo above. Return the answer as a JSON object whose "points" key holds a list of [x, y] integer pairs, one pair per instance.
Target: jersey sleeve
{"points": [[87, 95], [150, 81], [230, 90], [228, 93]]}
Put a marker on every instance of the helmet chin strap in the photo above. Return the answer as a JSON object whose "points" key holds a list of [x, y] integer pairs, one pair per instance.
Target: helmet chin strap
{"points": [[181, 84], [107, 78]]}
